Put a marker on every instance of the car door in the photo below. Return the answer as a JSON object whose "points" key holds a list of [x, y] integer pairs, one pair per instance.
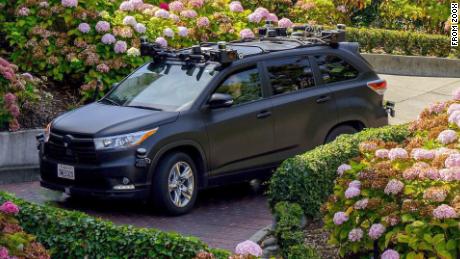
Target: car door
{"points": [[303, 111], [241, 135]]}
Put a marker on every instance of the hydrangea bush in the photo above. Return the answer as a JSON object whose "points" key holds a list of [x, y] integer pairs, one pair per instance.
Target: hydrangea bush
{"points": [[402, 200], [14, 242]]}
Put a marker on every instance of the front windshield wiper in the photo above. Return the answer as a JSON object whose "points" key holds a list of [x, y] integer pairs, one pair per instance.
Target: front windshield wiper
{"points": [[144, 107], [111, 101]]}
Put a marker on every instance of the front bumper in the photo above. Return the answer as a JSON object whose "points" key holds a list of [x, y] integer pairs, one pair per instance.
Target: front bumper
{"points": [[98, 180]]}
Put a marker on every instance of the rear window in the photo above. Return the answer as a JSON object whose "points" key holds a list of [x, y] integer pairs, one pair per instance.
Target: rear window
{"points": [[290, 74], [334, 69]]}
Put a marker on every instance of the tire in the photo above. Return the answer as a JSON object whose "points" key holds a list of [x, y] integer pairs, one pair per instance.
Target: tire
{"points": [[175, 193], [340, 130]]}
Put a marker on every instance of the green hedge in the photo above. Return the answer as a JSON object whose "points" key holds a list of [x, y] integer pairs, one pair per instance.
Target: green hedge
{"points": [[70, 234], [308, 179], [402, 42]]}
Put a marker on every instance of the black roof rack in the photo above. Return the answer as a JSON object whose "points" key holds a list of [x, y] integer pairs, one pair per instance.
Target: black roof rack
{"points": [[302, 36]]}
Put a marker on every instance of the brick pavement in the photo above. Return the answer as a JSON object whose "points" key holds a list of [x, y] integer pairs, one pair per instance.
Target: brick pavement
{"points": [[222, 217]]}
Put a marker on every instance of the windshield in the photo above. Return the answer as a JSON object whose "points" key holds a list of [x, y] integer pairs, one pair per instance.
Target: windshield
{"points": [[168, 87]]}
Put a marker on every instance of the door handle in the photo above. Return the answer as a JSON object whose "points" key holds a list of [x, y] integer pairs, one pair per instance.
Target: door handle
{"points": [[264, 114], [323, 99]]}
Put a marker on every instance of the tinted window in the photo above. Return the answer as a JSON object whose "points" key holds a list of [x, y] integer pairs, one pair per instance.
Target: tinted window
{"points": [[334, 69], [243, 86], [290, 74]]}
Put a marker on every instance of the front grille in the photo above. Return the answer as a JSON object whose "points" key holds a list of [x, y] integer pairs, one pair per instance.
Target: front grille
{"points": [[71, 148]]}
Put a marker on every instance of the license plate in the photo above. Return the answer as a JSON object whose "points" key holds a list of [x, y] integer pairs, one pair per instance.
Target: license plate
{"points": [[66, 172]]}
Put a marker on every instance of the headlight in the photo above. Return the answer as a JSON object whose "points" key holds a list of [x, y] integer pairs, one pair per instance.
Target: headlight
{"points": [[47, 132], [122, 141]]}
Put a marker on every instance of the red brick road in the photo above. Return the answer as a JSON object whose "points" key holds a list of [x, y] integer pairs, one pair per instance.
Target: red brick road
{"points": [[222, 218]]}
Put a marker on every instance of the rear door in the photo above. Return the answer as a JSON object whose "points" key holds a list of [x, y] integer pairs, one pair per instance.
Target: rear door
{"points": [[240, 136], [303, 110]]}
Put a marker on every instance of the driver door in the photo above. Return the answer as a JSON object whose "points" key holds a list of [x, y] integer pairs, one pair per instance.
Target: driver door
{"points": [[242, 135]]}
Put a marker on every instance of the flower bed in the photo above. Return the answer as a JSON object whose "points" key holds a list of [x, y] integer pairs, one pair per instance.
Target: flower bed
{"points": [[14, 242], [402, 200]]}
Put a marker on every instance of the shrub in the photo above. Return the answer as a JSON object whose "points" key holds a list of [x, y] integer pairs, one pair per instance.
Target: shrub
{"points": [[17, 91], [14, 242], [402, 198], [308, 179], [75, 235]]}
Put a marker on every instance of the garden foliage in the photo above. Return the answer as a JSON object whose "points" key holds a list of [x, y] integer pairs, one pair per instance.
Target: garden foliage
{"points": [[71, 234], [402, 198]]}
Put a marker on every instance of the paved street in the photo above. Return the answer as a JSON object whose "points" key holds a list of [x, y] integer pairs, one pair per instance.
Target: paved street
{"points": [[222, 218], [226, 216]]}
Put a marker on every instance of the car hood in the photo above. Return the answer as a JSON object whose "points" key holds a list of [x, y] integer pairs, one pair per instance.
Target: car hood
{"points": [[99, 120]]}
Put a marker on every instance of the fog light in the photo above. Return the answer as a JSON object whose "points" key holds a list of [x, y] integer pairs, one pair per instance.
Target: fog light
{"points": [[124, 187], [125, 180]]}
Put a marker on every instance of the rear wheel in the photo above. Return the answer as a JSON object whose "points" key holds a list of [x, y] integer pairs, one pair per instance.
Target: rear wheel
{"points": [[340, 130], [174, 187]]}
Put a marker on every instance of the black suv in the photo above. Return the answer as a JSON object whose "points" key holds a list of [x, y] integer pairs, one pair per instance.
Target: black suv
{"points": [[211, 114]]}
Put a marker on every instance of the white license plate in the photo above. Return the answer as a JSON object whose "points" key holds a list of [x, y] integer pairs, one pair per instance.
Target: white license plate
{"points": [[66, 171]]}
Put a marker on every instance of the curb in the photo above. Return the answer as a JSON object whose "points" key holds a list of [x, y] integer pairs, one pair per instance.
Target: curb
{"points": [[413, 65], [261, 234]]}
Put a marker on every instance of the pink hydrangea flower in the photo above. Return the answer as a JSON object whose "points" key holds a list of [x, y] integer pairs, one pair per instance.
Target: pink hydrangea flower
{"points": [[454, 117], [285, 23], [120, 47], [394, 187], [162, 14], [108, 39], [103, 68], [9, 208], [272, 17], [450, 174], [174, 17], [376, 231], [361, 204], [126, 6], [23, 11], [196, 3], [343, 168], [452, 160], [69, 3], [162, 42], [176, 6], [236, 7], [447, 136], [247, 34], [188, 14], [9, 98], [84, 27], [382, 153], [137, 4], [444, 212], [4, 254], [390, 254], [44, 4], [437, 107], [248, 247], [342, 8], [453, 107], [411, 173], [255, 17], [355, 235], [429, 173], [352, 192], [422, 154], [203, 22], [140, 28], [445, 151], [262, 12], [168, 32], [14, 110], [129, 20], [182, 31], [397, 153], [355, 184], [456, 94], [102, 26], [340, 218]]}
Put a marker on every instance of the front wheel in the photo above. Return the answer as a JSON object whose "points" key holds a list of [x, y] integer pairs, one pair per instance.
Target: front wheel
{"points": [[174, 187]]}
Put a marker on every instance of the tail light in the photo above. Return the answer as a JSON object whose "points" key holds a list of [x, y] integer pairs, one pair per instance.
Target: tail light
{"points": [[379, 86]]}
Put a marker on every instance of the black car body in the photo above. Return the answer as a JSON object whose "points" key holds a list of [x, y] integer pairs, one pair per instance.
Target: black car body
{"points": [[278, 99]]}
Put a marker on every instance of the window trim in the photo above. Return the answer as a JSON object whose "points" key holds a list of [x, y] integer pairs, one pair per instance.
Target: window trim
{"points": [[320, 78], [237, 70], [313, 67]]}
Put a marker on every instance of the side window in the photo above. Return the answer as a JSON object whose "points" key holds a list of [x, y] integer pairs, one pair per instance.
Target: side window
{"points": [[243, 86], [290, 75], [334, 69]]}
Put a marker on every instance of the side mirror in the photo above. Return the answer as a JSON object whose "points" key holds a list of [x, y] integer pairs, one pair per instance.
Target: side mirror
{"points": [[219, 100]]}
